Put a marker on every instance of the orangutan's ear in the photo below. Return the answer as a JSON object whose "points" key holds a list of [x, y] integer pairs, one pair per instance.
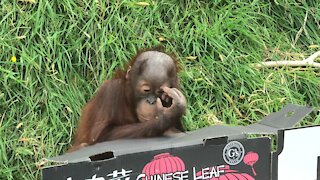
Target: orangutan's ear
{"points": [[128, 71]]}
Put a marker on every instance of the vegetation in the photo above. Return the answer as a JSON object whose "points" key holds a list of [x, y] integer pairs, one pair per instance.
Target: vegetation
{"points": [[55, 54]]}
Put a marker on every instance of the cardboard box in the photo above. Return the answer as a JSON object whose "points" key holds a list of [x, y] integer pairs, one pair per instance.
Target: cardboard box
{"points": [[298, 153], [217, 152]]}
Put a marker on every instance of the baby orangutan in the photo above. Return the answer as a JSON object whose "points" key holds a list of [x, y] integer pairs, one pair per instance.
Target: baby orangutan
{"points": [[142, 101]]}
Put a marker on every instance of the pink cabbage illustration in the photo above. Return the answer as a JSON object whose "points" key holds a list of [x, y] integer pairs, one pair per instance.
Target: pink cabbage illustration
{"points": [[162, 164], [250, 159]]}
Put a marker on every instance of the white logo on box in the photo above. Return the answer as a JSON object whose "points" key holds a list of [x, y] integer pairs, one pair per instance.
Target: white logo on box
{"points": [[233, 153]]}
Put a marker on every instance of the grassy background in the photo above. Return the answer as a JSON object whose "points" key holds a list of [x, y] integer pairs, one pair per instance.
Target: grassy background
{"points": [[66, 49]]}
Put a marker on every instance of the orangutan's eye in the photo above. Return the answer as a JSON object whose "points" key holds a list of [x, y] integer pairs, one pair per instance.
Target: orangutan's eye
{"points": [[145, 89]]}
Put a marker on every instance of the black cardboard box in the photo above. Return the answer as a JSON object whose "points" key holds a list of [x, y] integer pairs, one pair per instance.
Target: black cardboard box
{"points": [[217, 152]]}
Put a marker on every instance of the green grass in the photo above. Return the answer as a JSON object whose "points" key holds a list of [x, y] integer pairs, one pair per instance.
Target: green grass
{"points": [[66, 49]]}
